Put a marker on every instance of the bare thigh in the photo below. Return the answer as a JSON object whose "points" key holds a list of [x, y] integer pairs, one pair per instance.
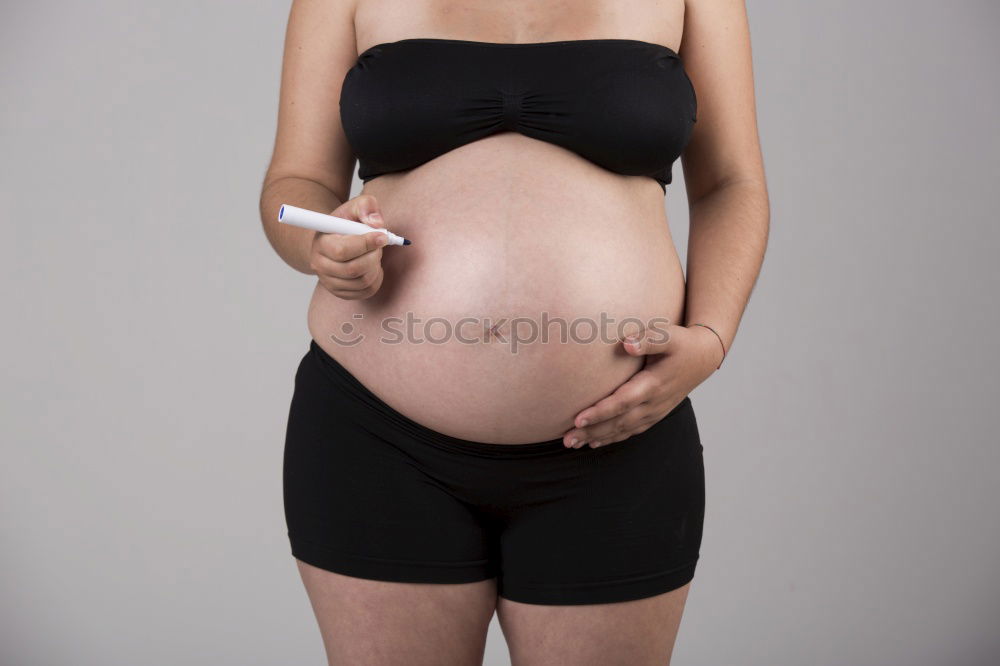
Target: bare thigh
{"points": [[380, 623], [637, 633]]}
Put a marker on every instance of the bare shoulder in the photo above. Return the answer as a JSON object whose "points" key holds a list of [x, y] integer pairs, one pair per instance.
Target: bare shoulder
{"points": [[319, 49], [717, 56]]}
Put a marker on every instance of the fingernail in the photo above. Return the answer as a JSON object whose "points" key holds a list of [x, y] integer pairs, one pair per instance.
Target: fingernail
{"points": [[573, 441], [594, 445], [374, 217], [381, 240], [584, 422]]}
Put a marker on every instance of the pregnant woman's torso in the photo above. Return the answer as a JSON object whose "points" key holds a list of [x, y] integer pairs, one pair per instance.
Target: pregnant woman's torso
{"points": [[513, 237]]}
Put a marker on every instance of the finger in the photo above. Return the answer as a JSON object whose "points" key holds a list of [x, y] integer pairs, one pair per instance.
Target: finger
{"points": [[613, 440], [654, 339], [370, 262], [641, 426], [612, 428], [351, 284], [631, 428], [351, 294], [343, 248], [608, 430], [636, 390]]}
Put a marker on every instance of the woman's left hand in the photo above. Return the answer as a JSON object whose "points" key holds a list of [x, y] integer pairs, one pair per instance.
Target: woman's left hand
{"points": [[673, 369]]}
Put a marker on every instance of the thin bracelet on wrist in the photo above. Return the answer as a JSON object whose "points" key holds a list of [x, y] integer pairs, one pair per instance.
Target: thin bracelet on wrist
{"points": [[720, 341]]}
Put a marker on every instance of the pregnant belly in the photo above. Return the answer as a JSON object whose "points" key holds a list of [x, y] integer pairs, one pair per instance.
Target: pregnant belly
{"points": [[502, 321]]}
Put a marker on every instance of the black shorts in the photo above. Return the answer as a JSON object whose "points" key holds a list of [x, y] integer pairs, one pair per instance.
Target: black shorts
{"points": [[373, 494]]}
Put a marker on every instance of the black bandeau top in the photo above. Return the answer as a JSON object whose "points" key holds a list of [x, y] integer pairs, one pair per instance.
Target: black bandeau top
{"points": [[624, 104]]}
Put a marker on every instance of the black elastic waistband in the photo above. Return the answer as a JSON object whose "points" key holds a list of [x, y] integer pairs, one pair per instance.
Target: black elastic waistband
{"points": [[346, 381]]}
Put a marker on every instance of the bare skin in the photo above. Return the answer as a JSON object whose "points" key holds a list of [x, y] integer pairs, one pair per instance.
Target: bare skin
{"points": [[412, 624], [374, 622], [471, 215], [630, 632]]}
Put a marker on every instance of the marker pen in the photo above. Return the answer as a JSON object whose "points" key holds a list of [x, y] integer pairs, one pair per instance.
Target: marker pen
{"points": [[330, 224]]}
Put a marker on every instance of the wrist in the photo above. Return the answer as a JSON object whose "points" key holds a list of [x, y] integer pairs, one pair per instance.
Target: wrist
{"points": [[712, 340]]}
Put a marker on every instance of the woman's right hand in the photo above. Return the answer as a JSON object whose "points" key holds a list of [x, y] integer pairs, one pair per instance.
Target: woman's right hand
{"points": [[350, 267]]}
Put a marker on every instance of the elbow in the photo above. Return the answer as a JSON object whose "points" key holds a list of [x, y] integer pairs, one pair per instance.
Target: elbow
{"points": [[752, 185], [741, 200]]}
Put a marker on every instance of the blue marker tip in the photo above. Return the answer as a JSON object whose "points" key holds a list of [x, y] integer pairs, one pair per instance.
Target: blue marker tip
{"points": [[406, 241]]}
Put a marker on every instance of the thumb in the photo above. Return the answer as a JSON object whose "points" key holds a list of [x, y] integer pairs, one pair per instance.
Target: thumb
{"points": [[368, 211], [647, 341]]}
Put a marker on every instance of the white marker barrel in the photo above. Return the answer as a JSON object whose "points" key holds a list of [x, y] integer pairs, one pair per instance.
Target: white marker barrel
{"points": [[330, 224]]}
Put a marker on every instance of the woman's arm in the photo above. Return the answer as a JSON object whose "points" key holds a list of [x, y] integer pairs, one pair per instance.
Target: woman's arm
{"points": [[723, 168], [293, 244], [312, 163], [730, 215]]}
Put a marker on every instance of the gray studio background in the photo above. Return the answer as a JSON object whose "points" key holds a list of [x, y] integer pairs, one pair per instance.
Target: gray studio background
{"points": [[150, 337]]}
